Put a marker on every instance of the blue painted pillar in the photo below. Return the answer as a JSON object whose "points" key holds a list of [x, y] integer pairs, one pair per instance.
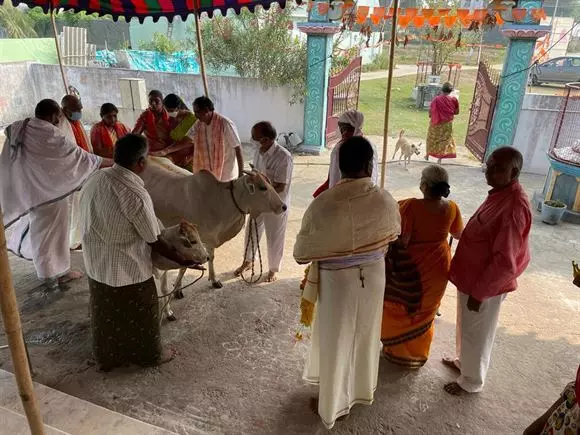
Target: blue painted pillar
{"points": [[320, 33], [512, 87]]}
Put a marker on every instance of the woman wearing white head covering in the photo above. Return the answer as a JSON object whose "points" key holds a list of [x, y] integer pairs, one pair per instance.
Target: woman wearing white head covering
{"points": [[350, 124]]}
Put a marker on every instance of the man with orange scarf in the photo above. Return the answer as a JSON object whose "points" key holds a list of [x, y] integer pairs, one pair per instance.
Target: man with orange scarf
{"points": [[217, 145], [73, 129], [72, 108]]}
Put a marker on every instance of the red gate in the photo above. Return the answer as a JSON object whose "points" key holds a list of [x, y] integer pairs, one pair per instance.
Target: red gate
{"points": [[343, 92], [482, 107]]}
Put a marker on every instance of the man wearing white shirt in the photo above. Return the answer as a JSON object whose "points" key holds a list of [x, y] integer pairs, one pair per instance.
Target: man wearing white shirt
{"points": [[276, 162]]}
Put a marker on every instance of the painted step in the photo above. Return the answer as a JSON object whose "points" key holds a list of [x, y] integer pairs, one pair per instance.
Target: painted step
{"points": [[70, 415], [16, 424]]}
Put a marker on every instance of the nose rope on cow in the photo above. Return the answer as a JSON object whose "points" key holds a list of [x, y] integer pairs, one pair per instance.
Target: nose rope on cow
{"points": [[253, 226], [175, 290]]}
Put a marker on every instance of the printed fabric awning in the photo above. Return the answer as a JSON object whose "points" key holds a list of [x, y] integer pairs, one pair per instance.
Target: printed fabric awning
{"points": [[149, 8]]}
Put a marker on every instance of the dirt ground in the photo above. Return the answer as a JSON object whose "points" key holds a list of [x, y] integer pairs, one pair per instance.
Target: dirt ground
{"points": [[238, 369]]}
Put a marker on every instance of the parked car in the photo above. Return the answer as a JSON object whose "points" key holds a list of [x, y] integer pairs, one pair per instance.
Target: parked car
{"points": [[558, 70]]}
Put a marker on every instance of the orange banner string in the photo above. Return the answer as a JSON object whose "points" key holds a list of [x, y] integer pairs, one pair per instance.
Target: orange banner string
{"points": [[362, 13], [462, 13], [499, 19], [404, 21], [450, 21], [419, 21], [411, 12], [434, 21]]}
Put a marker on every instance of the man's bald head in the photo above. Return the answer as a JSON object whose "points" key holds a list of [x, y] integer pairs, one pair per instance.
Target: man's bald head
{"points": [[503, 167], [48, 110], [72, 107]]}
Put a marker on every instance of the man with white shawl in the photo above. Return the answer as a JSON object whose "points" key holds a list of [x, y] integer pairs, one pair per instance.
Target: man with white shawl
{"points": [[39, 169], [344, 235]]}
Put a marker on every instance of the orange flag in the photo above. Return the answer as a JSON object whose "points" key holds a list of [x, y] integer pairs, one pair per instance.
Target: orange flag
{"points": [[434, 21], [419, 21], [499, 20], [427, 13], [450, 21], [362, 13], [404, 21], [411, 12], [444, 12]]}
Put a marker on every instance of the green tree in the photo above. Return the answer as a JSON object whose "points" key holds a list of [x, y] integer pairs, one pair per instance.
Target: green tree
{"points": [[14, 22], [257, 45], [162, 44]]}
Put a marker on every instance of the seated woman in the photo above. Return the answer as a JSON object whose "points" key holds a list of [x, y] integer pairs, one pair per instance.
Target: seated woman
{"points": [[106, 133], [417, 269], [181, 119], [154, 123]]}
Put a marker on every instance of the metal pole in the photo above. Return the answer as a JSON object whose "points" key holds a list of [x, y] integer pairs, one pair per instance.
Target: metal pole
{"points": [[58, 53], [480, 44], [200, 50], [389, 85], [13, 330]]}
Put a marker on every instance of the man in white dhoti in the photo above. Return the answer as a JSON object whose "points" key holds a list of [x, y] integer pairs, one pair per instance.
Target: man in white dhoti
{"points": [[345, 233], [39, 170], [492, 253], [73, 129], [276, 162]]}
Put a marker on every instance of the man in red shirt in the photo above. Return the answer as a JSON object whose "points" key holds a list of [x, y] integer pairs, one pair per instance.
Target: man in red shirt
{"points": [[492, 253]]}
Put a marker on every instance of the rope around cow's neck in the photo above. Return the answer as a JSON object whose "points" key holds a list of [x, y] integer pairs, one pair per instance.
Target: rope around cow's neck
{"points": [[253, 226]]}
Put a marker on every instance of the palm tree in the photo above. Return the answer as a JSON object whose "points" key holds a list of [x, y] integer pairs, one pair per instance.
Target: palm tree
{"points": [[14, 22]]}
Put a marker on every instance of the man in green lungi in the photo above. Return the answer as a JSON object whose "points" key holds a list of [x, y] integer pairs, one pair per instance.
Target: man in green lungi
{"points": [[119, 232]]}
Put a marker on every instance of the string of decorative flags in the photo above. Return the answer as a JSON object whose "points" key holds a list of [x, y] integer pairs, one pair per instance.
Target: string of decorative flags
{"points": [[419, 18]]}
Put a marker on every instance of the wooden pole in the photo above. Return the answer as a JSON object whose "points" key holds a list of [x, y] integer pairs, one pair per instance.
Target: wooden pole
{"points": [[389, 85], [58, 53], [200, 50], [13, 330]]}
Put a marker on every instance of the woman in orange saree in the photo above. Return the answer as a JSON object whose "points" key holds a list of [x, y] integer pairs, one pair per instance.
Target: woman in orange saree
{"points": [[417, 270]]}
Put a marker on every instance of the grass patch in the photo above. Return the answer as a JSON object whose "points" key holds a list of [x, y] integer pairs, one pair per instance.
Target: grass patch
{"points": [[404, 114]]}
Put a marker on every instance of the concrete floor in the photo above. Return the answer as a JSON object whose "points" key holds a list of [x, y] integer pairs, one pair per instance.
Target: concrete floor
{"points": [[238, 369]]}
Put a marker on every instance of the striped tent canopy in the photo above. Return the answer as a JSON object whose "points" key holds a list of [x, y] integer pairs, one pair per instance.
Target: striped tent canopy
{"points": [[142, 9]]}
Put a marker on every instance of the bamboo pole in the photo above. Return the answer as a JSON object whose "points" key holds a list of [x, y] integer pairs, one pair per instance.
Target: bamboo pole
{"points": [[389, 85], [13, 330], [58, 53], [200, 50]]}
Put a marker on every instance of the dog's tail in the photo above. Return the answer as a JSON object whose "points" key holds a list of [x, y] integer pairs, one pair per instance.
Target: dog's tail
{"points": [[401, 133]]}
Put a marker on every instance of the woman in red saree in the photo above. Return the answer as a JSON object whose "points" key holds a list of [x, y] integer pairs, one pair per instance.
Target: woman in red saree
{"points": [[417, 269], [443, 108], [181, 119], [154, 123], [106, 133]]}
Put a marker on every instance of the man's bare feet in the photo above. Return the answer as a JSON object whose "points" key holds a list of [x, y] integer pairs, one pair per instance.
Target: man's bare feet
{"points": [[271, 277], [70, 276], [166, 356], [454, 389], [452, 363], [245, 266]]}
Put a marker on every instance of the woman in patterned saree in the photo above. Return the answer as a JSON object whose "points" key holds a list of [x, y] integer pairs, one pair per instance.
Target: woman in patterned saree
{"points": [[416, 270], [443, 108], [181, 119]]}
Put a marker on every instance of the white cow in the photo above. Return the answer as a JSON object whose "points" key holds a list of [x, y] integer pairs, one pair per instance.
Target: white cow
{"points": [[218, 208], [185, 239]]}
